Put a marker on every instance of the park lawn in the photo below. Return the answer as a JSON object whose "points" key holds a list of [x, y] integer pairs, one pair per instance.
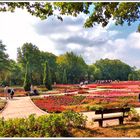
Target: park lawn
{"points": [[130, 129]]}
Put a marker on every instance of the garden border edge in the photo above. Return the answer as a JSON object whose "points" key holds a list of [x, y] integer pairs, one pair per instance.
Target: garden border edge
{"points": [[37, 106], [4, 107]]}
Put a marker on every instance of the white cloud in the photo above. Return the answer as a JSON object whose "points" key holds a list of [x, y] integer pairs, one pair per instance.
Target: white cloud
{"points": [[59, 37], [134, 40], [17, 28]]}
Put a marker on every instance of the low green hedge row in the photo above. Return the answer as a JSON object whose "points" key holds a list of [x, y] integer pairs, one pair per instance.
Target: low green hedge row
{"points": [[53, 125]]}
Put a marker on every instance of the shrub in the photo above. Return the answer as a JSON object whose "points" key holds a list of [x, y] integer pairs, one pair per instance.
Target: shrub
{"points": [[133, 115], [74, 119], [54, 125], [95, 107], [88, 107]]}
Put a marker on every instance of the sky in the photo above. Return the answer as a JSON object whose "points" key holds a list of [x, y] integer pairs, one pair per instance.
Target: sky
{"points": [[57, 37]]}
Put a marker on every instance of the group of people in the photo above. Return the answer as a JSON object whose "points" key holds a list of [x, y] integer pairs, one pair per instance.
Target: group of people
{"points": [[103, 81], [33, 90], [9, 92], [84, 83]]}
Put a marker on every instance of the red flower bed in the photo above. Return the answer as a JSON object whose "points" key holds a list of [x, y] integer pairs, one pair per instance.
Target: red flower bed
{"points": [[115, 85], [57, 103], [113, 93], [135, 104], [71, 90], [82, 91], [91, 85], [65, 85]]}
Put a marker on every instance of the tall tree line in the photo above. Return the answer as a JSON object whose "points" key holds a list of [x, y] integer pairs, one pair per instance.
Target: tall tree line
{"points": [[66, 68]]}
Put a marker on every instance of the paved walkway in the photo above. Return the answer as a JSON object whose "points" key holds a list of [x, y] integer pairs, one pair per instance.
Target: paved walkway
{"points": [[20, 107]]}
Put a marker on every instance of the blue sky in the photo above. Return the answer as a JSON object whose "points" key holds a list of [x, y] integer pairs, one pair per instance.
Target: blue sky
{"points": [[52, 35]]}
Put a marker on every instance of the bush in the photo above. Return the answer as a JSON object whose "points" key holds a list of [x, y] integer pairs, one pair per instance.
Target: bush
{"points": [[54, 125], [74, 119], [133, 115], [95, 107]]}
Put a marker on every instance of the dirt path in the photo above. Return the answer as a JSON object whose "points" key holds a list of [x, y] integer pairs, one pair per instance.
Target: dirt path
{"points": [[20, 107]]}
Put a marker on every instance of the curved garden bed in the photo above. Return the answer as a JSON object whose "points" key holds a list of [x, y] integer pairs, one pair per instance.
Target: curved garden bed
{"points": [[58, 103], [80, 103]]}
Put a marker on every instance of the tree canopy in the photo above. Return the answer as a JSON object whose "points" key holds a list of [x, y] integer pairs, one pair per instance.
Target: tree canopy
{"points": [[74, 66], [67, 68], [101, 13], [113, 69], [4, 62]]}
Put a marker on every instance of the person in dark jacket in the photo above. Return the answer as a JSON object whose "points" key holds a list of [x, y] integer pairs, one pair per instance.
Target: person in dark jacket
{"points": [[139, 97], [10, 93]]}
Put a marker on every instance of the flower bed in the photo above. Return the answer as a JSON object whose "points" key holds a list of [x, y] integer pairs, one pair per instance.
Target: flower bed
{"points": [[84, 103], [112, 93], [82, 91], [57, 103], [116, 95], [118, 85]]}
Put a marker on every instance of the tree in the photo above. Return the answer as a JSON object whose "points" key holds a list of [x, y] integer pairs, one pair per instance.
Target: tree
{"points": [[47, 77], [74, 65], [27, 80], [101, 13], [16, 74], [30, 53], [64, 81], [37, 58], [51, 59], [134, 75], [4, 63], [94, 73], [113, 69], [138, 30]]}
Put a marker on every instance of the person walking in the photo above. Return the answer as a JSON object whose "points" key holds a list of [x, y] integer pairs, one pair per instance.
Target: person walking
{"points": [[9, 93], [6, 92], [35, 91], [12, 93], [31, 89], [139, 97]]}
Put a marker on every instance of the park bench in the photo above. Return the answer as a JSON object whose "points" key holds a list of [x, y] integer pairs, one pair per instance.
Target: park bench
{"points": [[120, 113]]}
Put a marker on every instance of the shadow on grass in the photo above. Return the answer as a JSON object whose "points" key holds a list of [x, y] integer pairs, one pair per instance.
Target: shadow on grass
{"points": [[127, 126], [85, 132]]}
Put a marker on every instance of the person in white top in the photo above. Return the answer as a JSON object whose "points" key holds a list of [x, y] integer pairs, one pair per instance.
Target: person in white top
{"points": [[32, 89], [6, 92]]}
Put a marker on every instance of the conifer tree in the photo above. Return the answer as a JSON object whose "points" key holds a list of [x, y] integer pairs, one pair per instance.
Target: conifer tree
{"points": [[47, 76], [64, 80], [27, 80]]}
